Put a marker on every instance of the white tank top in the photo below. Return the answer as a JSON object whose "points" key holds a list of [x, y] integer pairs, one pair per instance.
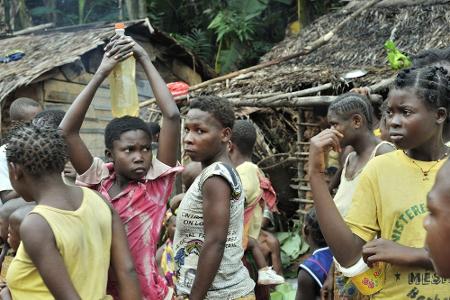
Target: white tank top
{"points": [[347, 187]]}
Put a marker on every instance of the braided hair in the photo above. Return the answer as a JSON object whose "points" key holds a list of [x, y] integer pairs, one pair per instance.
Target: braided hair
{"points": [[39, 150], [352, 103], [432, 84], [314, 229]]}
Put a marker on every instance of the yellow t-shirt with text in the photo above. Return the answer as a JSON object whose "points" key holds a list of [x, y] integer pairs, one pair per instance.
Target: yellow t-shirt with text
{"points": [[390, 202]]}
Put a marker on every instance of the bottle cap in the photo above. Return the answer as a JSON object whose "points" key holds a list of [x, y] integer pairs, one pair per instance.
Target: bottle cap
{"points": [[119, 26]]}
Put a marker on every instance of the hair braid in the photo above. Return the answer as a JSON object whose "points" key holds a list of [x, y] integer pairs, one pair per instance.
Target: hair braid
{"points": [[432, 84], [351, 103], [39, 150]]}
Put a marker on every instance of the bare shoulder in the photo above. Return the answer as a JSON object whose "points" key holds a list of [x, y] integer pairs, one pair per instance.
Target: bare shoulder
{"points": [[35, 230], [384, 148]]}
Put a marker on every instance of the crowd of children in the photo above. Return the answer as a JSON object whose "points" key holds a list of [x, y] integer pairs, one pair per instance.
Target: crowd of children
{"points": [[98, 237]]}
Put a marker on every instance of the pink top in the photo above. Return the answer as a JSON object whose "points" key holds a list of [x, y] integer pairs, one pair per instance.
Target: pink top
{"points": [[141, 206]]}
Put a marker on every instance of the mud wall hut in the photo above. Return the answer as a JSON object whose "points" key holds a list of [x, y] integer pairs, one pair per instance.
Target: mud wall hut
{"points": [[287, 94], [58, 63]]}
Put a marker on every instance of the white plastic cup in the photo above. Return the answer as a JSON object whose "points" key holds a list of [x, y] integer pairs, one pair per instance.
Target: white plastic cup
{"points": [[367, 280]]}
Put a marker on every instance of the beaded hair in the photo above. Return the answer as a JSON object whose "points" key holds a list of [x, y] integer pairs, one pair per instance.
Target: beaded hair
{"points": [[39, 150], [352, 103]]}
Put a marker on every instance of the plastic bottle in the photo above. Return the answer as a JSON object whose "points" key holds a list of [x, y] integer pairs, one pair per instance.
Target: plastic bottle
{"points": [[124, 97]]}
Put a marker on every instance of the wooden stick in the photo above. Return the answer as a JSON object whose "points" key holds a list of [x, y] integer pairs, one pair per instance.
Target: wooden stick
{"points": [[306, 50], [34, 29], [382, 85], [295, 101], [287, 102], [299, 93]]}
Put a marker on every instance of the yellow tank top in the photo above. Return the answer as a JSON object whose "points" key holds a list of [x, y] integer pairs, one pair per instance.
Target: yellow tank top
{"points": [[83, 238]]}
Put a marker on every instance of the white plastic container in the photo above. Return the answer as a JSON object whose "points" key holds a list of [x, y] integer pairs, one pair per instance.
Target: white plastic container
{"points": [[367, 280]]}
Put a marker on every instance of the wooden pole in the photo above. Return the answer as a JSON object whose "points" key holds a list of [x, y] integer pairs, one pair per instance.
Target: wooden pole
{"points": [[295, 101], [306, 50]]}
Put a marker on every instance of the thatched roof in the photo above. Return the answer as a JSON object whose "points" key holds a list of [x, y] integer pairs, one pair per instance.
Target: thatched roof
{"points": [[358, 45], [46, 50]]}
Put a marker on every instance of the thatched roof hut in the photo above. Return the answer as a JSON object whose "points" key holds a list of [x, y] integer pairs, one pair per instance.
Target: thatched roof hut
{"points": [[288, 119], [59, 62], [358, 45]]}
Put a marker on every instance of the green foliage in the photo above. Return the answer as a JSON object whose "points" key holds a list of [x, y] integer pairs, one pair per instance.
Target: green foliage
{"points": [[292, 245], [230, 34], [235, 27], [396, 58], [70, 12], [198, 42]]}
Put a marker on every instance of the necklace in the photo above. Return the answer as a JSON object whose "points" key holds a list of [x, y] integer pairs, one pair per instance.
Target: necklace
{"points": [[425, 173]]}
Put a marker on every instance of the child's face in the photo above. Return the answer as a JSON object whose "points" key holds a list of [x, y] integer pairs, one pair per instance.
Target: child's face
{"points": [[14, 235], [411, 123], [131, 154], [30, 112], [437, 223], [204, 136]]}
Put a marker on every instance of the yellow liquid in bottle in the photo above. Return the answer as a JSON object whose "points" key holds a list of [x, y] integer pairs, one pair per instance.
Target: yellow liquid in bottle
{"points": [[124, 97]]}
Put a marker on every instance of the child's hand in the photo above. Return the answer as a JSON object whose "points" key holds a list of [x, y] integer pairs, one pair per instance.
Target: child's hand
{"points": [[365, 91], [326, 292], [114, 54], [319, 145], [125, 44], [381, 250]]}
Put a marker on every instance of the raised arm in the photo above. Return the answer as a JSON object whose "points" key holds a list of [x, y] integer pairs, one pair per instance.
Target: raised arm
{"points": [[216, 216], [169, 137], [79, 154], [346, 246], [39, 242]]}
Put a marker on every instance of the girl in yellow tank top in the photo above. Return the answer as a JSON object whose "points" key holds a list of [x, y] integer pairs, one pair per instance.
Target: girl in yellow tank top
{"points": [[71, 237]]}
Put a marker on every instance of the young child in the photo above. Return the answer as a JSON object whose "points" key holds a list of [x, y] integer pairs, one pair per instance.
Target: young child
{"points": [[15, 220], [21, 110], [243, 139], [208, 236], [314, 270], [389, 202], [71, 237], [164, 255], [437, 222], [5, 212], [137, 185]]}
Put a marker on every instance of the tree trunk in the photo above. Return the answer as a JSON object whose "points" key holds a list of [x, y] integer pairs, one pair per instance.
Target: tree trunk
{"points": [[19, 16], [3, 21], [142, 13], [132, 9], [51, 17]]}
